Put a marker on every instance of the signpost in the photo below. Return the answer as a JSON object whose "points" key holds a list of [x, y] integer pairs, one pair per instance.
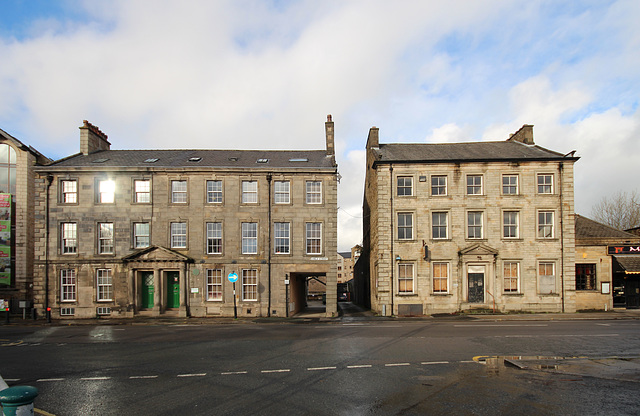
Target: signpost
{"points": [[233, 278]]}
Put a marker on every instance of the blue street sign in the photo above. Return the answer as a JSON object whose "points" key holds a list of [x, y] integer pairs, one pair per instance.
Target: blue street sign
{"points": [[233, 277]]}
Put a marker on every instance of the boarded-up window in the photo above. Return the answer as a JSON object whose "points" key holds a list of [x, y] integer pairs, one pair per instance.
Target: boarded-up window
{"points": [[440, 277]]}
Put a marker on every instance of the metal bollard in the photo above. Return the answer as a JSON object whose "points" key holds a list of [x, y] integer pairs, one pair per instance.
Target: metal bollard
{"points": [[18, 400]]}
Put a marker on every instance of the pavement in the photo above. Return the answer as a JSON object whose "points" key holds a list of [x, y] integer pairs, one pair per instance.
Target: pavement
{"points": [[348, 311]]}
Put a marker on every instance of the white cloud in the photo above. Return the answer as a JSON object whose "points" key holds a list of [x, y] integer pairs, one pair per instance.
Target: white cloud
{"points": [[255, 74]]}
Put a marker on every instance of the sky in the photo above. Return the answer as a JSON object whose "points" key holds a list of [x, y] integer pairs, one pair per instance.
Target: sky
{"points": [[245, 74]]}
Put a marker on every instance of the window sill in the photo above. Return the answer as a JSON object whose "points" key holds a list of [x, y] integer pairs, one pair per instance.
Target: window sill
{"points": [[443, 294], [407, 295], [515, 294]]}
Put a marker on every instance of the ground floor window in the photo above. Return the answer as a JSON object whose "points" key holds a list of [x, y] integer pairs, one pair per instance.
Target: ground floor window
{"points": [[214, 284], [250, 284], [586, 277], [440, 277], [511, 276], [104, 283], [546, 277], [405, 278], [67, 285]]}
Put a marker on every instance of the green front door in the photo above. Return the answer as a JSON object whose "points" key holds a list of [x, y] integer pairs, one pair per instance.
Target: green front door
{"points": [[148, 290], [173, 290]]}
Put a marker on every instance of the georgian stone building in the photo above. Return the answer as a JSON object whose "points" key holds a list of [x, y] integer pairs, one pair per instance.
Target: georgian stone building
{"points": [[17, 162], [458, 226], [126, 232]]}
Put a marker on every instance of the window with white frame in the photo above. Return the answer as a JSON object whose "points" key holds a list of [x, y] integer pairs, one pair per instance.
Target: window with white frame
{"points": [[510, 221], [106, 191], [250, 284], [214, 284], [105, 238], [313, 192], [474, 224], [214, 192], [405, 185], [281, 192], [214, 238], [142, 191], [545, 224], [69, 191], [511, 276], [179, 192], [439, 225], [249, 192], [249, 238], [438, 185], [282, 236], [69, 240], [510, 184], [545, 183], [405, 278], [314, 237], [104, 285], [178, 235], [67, 285], [141, 234], [440, 277], [547, 277], [474, 184], [405, 226]]}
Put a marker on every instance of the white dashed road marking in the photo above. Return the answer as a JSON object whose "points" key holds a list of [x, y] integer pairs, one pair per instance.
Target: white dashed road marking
{"points": [[192, 375], [359, 366], [284, 370], [435, 362], [396, 364], [143, 377], [95, 378], [320, 368], [230, 373]]}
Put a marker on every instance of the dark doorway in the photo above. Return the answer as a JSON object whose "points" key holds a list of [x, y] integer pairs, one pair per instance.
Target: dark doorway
{"points": [[476, 287], [148, 290]]}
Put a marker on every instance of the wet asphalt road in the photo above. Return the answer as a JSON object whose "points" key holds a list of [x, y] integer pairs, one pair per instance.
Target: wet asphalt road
{"points": [[350, 367]]}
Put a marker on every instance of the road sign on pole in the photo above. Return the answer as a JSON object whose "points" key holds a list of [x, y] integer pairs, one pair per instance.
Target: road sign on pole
{"points": [[233, 278]]}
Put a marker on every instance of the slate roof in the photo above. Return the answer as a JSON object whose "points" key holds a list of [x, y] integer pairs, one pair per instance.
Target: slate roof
{"points": [[464, 152], [589, 229], [630, 264], [244, 159]]}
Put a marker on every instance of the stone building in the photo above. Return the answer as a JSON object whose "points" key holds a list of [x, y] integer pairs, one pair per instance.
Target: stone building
{"points": [[607, 266], [346, 261], [458, 226], [153, 232], [17, 196]]}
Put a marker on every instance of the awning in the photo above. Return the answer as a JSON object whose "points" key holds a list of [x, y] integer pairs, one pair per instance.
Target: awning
{"points": [[629, 264]]}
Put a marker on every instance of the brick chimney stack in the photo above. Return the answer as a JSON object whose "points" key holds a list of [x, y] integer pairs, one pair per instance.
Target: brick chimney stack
{"points": [[524, 135], [328, 129], [92, 139]]}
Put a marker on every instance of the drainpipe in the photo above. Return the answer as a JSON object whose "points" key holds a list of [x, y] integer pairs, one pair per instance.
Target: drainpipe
{"points": [[393, 264], [562, 294], [269, 245], [46, 252]]}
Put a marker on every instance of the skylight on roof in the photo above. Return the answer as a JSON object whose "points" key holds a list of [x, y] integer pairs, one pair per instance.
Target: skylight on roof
{"points": [[151, 160], [195, 159], [233, 159], [99, 161], [262, 161], [299, 159]]}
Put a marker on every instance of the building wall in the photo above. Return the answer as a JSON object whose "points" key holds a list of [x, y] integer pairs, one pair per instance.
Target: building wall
{"points": [[196, 213], [23, 200], [491, 251], [595, 299]]}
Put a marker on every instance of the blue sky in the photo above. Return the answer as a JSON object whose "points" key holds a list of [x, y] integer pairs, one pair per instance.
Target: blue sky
{"points": [[264, 74]]}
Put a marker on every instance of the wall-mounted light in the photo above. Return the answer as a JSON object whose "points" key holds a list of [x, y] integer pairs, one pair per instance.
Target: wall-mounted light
{"points": [[398, 258]]}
